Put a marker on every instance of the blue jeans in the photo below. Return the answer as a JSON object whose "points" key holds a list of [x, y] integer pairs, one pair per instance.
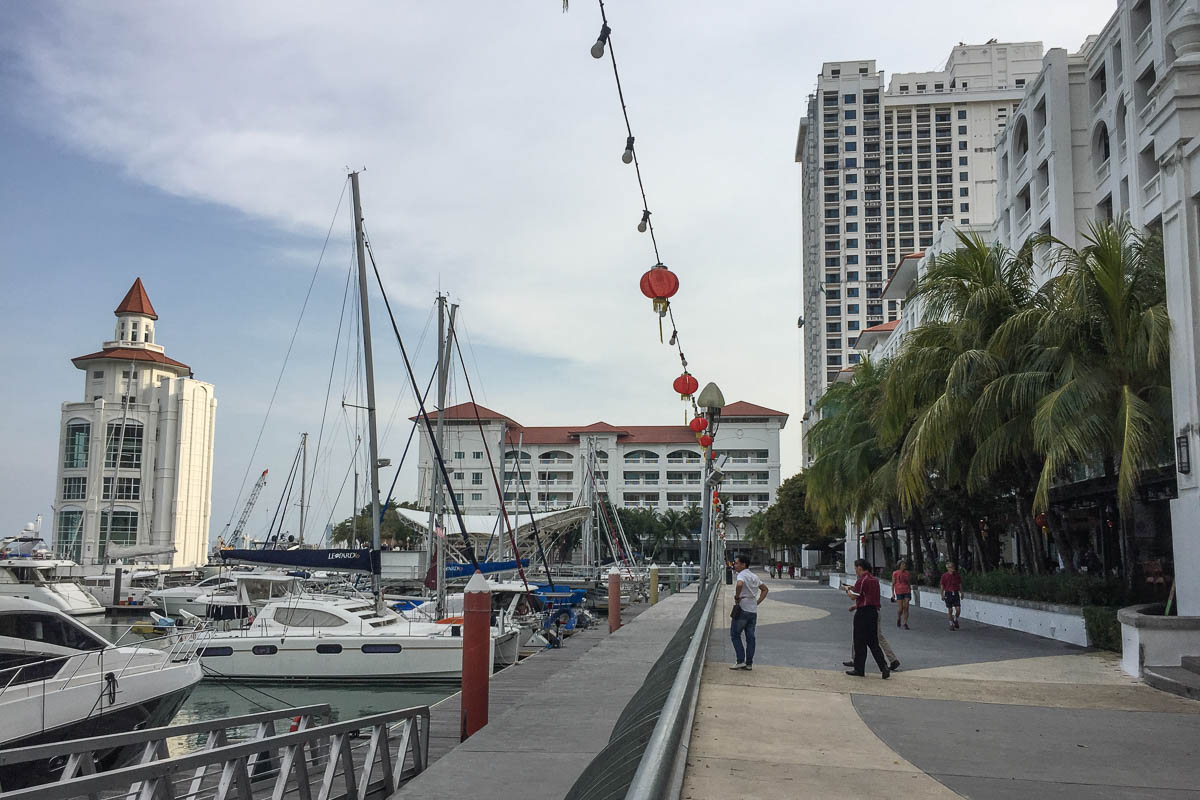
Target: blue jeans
{"points": [[745, 623]]}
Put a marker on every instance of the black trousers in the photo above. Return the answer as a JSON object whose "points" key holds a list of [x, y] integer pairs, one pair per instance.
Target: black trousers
{"points": [[866, 636]]}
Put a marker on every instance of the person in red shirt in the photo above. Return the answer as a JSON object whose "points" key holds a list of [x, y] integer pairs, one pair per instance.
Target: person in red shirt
{"points": [[952, 593], [866, 620], [902, 591]]}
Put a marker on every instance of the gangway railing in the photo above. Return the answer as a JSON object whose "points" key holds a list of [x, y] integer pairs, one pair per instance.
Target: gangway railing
{"points": [[360, 759], [80, 756]]}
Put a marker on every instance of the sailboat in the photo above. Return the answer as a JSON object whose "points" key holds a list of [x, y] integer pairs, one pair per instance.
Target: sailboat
{"points": [[321, 637]]}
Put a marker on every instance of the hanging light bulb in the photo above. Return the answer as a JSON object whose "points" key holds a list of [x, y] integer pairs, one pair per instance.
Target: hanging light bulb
{"points": [[598, 47], [645, 221], [627, 156]]}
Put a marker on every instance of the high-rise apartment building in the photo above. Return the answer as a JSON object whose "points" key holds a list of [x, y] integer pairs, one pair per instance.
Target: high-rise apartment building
{"points": [[882, 167]]}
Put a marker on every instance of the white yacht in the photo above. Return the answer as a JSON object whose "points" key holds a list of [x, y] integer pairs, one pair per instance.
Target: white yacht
{"points": [[177, 598], [313, 638], [136, 586], [60, 680], [46, 580]]}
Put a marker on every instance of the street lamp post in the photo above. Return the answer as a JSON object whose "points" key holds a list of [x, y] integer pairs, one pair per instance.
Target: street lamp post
{"points": [[711, 401]]}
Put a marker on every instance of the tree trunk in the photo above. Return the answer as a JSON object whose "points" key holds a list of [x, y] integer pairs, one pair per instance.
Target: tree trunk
{"points": [[1063, 542]]}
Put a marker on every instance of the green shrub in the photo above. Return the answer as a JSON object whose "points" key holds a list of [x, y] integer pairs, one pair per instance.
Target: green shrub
{"points": [[1072, 590], [1103, 629]]}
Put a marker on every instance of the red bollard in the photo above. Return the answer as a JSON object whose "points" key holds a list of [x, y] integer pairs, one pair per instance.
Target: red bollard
{"points": [[614, 600], [476, 655]]}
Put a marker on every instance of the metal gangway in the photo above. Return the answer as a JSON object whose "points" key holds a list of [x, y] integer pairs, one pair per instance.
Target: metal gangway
{"points": [[359, 759]]}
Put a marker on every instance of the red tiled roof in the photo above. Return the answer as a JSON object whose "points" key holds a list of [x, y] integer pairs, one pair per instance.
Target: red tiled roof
{"points": [[467, 411], [565, 435], [601, 427], [743, 409], [132, 354], [136, 301], [887, 326]]}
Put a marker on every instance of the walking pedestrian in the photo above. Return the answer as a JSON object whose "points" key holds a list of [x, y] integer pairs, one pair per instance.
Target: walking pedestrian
{"points": [[779, 569], [747, 594], [902, 591], [952, 593], [866, 621], [791, 570]]}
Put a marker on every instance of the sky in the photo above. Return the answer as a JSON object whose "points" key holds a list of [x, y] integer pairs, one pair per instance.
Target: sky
{"points": [[204, 148]]}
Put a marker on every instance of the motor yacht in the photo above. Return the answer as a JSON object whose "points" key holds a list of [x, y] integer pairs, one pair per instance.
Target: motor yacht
{"points": [[46, 580], [60, 680], [171, 601], [318, 638]]}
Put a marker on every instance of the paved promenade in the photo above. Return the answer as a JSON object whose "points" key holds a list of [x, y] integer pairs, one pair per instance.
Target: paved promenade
{"points": [[981, 713]]}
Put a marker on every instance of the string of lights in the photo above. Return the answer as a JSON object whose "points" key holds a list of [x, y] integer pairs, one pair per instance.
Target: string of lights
{"points": [[659, 286]]}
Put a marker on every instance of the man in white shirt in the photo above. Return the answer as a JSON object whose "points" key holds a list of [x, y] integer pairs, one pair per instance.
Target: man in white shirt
{"points": [[747, 594]]}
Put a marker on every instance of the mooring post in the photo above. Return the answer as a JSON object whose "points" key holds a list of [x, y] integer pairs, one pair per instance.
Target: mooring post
{"points": [[476, 655], [673, 578], [614, 600], [653, 584], [116, 599]]}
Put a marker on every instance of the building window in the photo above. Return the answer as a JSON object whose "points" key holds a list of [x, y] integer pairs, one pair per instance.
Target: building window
{"points": [[125, 374], [74, 488], [459, 455], [477, 479], [477, 455], [1020, 83], [962, 176], [852, 325], [476, 497], [853, 275], [962, 130], [851, 163], [833, 361], [849, 99], [962, 161], [117, 527], [853, 358], [458, 497], [68, 539], [458, 476], [964, 207], [851, 114], [963, 191], [962, 145], [127, 489], [852, 308], [128, 440], [851, 130], [833, 344], [75, 455], [97, 374]]}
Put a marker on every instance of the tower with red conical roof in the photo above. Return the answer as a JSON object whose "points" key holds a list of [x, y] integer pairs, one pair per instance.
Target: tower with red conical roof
{"points": [[135, 472]]}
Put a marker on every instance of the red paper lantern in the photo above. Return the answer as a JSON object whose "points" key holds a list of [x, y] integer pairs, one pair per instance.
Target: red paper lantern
{"points": [[686, 385], [698, 424], [706, 441], [660, 284]]}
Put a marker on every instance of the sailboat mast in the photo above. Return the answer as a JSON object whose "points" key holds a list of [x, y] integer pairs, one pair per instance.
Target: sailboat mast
{"points": [[369, 366], [303, 480]]}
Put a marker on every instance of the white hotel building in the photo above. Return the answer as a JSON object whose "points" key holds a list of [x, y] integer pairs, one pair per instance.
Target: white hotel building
{"points": [[639, 466], [136, 453], [1114, 130], [881, 171]]}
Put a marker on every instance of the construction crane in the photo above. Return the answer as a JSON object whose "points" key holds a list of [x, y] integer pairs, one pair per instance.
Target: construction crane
{"points": [[237, 531]]}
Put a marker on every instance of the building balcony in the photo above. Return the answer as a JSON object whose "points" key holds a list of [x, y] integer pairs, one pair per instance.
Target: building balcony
{"points": [[1044, 198], [1023, 221], [1099, 104], [1142, 42], [1102, 171], [549, 461], [696, 460], [1150, 189], [640, 460]]}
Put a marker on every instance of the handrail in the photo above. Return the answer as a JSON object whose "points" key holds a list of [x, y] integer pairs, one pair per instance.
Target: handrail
{"points": [[236, 756], [35, 752], [660, 773]]}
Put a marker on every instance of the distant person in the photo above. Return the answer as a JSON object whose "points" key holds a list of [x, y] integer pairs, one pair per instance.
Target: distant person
{"points": [[791, 570], [902, 591], [748, 592], [779, 569], [771, 569], [866, 620], [952, 593]]}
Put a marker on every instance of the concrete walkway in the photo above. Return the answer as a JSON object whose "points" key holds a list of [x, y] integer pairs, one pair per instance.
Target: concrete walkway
{"points": [[981, 712]]}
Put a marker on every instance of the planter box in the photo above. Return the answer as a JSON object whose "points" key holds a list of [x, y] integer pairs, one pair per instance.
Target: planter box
{"points": [[1148, 639], [1053, 621]]}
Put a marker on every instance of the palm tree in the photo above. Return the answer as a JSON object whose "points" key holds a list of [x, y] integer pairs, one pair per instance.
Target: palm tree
{"points": [[941, 374], [1096, 360]]}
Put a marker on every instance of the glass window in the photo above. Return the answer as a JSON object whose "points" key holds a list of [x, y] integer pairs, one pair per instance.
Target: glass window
{"points": [[851, 291], [962, 113], [477, 455], [50, 629], [851, 114], [128, 440], [851, 163], [852, 308], [477, 479], [962, 161], [307, 618], [68, 536], [851, 130], [852, 194], [75, 454], [964, 207], [854, 357], [962, 130], [852, 325], [476, 497], [962, 176], [97, 374], [381, 648], [833, 361], [849, 98], [458, 476], [121, 531], [851, 147], [853, 275], [963, 191], [127, 489], [264, 649], [459, 454], [962, 145], [329, 649], [74, 488]]}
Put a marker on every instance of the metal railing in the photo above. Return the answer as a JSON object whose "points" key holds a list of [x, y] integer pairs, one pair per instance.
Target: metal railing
{"points": [[647, 750], [370, 757]]}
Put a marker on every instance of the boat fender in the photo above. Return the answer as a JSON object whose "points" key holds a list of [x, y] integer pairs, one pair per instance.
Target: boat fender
{"points": [[110, 686], [295, 726]]}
